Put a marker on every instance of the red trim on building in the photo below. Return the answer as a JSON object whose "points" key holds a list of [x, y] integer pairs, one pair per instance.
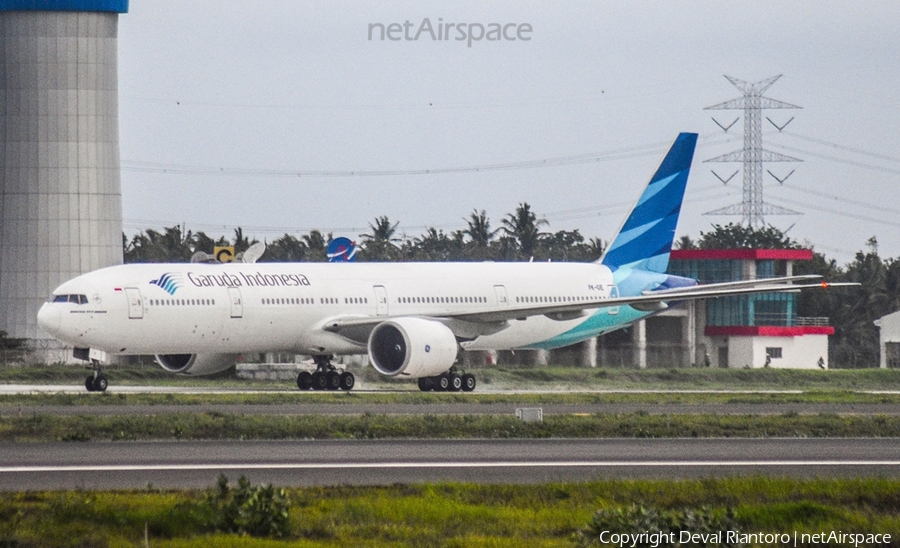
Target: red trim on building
{"points": [[765, 331], [748, 254]]}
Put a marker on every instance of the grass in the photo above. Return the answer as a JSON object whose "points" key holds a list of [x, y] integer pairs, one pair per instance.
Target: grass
{"points": [[543, 377], [567, 385], [294, 397], [215, 426], [446, 514]]}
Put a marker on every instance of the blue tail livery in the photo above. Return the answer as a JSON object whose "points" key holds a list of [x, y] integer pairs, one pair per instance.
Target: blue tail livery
{"points": [[645, 239]]}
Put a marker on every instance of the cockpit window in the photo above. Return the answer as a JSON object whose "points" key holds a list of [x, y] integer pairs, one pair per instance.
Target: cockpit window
{"points": [[75, 299]]}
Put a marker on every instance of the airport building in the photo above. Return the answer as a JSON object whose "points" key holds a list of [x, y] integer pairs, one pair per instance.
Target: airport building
{"points": [[760, 330], [60, 195], [889, 339]]}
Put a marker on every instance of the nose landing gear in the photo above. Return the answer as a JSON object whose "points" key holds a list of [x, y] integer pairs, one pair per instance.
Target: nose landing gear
{"points": [[97, 381]]}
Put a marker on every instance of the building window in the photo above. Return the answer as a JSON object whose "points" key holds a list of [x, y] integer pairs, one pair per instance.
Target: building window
{"points": [[773, 352]]}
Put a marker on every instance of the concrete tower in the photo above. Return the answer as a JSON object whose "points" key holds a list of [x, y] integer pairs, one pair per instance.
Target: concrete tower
{"points": [[60, 193]]}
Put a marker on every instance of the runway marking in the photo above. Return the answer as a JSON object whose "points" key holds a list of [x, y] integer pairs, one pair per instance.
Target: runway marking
{"points": [[444, 465]]}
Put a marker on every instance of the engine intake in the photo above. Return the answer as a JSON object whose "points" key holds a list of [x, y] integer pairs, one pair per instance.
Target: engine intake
{"points": [[412, 347], [196, 364]]}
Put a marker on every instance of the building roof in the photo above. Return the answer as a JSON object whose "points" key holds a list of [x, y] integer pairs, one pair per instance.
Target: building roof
{"points": [[746, 254], [766, 330], [117, 6]]}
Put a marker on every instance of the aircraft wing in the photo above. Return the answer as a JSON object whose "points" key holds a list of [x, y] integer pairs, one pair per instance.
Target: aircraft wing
{"points": [[468, 324]]}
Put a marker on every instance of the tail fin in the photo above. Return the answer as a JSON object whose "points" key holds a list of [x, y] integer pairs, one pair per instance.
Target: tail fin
{"points": [[645, 240]]}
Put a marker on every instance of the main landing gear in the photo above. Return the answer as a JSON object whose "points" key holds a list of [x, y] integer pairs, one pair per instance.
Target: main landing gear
{"points": [[325, 377], [451, 381], [96, 381]]}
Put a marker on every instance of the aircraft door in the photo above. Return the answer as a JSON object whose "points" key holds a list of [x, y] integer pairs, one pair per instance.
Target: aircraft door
{"points": [[237, 302], [502, 299], [613, 294], [135, 303], [381, 300]]}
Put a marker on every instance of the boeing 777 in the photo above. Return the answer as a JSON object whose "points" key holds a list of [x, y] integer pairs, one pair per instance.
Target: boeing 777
{"points": [[410, 318]]}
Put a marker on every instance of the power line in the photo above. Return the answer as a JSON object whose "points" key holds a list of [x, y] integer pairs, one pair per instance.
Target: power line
{"points": [[840, 160], [841, 213], [842, 147], [844, 200], [593, 157]]}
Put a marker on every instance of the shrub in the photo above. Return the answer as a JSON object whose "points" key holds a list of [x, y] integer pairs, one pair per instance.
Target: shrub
{"points": [[248, 510]]}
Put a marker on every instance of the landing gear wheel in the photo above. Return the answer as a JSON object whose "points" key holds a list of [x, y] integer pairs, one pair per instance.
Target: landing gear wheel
{"points": [[326, 376], [101, 383], [348, 381], [455, 383], [426, 384], [468, 382], [96, 381], [304, 380], [443, 383], [320, 381], [332, 380]]}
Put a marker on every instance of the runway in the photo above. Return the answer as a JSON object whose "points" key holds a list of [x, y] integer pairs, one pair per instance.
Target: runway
{"points": [[305, 408], [134, 465]]}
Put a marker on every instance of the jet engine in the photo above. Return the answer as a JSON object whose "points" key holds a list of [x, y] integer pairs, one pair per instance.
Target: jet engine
{"points": [[196, 364], [412, 347]]}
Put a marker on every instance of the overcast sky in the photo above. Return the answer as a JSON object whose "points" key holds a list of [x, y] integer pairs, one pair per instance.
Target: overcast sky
{"points": [[231, 111]]}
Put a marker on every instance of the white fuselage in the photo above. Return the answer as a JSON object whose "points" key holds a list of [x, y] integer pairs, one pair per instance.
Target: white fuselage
{"points": [[235, 308]]}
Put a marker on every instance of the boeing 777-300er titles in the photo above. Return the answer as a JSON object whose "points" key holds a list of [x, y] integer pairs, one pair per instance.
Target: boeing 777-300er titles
{"points": [[411, 318]]}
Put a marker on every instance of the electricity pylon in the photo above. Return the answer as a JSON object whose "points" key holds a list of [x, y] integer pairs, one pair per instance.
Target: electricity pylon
{"points": [[752, 208]]}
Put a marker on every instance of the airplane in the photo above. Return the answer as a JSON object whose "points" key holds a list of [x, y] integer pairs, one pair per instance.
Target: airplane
{"points": [[410, 318]]}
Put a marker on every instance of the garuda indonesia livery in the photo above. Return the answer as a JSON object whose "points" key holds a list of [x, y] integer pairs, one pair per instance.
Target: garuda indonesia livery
{"points": [[411, 318]]}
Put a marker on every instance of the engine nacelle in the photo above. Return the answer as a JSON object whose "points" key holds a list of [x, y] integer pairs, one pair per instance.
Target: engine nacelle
{"points": [[412, 347], [196, 364]]}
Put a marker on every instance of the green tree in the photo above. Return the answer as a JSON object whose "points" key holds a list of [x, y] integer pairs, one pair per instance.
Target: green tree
{"points": [[596, 248], [685, 242], [169, 246], [480, 236], [380, 241], [9, 343], [207, 244], [736, 236], [564, 245], [434, 245], [316, 246], [524, 226], [241, 242], [286, 249]]}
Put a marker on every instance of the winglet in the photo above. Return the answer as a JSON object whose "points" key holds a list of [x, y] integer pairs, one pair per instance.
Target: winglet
{"points": [[645, 240]]}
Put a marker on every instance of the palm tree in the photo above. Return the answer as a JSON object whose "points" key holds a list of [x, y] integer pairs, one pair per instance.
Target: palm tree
{"points": [[434, 245], [286, 249], [524, 226], [316, 246], [379, 244], [480, 236], [479, 230]]}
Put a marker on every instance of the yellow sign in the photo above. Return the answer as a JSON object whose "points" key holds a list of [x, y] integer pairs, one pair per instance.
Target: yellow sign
{"points": [[224, 254]]}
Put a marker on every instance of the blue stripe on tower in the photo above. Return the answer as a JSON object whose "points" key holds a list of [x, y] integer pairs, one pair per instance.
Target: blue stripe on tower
{"points": [[117, 6]]}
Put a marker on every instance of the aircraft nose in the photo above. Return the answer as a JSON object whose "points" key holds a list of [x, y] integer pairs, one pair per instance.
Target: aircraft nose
{"points": [[49, 319]]}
